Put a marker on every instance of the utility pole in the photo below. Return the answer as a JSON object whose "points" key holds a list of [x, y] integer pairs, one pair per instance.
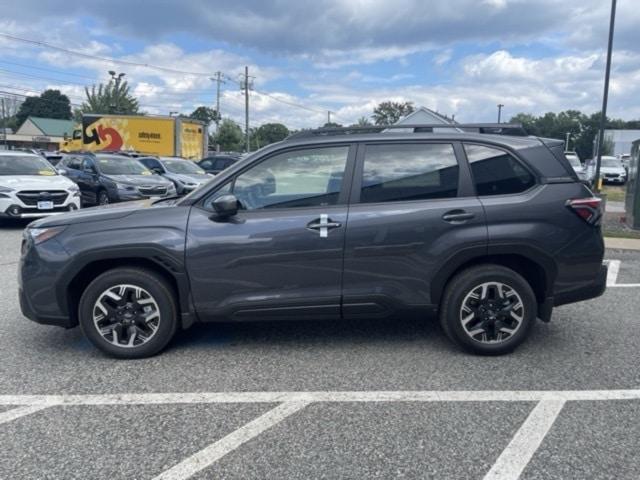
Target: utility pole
{"points": [[329, 117], [117, 79], [566, 142], [605, 97], [4, 125], [246, 86], [218, 79], [500, 105]]}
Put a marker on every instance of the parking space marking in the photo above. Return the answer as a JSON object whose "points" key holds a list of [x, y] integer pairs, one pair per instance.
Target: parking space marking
{"points": [[612, 276], [20, 412], [209, 455], [320, 396], [517, 454]]}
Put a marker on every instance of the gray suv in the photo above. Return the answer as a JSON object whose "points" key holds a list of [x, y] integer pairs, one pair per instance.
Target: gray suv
{"points": [[489, 231]]}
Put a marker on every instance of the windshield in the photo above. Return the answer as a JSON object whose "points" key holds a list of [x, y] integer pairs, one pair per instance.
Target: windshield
{"points": [[121, 166], [182, 166], [611, 163], [25, 165]]}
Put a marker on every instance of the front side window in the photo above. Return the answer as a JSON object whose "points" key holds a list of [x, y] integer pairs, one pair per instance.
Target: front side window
{"points": [[301, 178], [496, 172], [403, 172], [182, 166]]}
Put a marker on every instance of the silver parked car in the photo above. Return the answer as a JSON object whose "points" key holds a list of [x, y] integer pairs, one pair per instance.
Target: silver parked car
{"points": [[185, 174]]}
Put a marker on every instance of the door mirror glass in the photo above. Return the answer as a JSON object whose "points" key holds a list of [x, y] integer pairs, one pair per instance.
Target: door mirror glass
{"points": [[225, 206], [62, 171]]}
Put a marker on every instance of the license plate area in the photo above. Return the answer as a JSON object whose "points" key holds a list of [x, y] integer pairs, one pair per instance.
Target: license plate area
{"points": [[45, 205]]}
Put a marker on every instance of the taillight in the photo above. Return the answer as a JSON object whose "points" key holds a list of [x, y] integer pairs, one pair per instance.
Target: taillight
{"points": [[588, 209]]}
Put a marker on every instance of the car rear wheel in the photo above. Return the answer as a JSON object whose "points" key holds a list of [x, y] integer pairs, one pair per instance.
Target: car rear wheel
{"points": [[488, 309], [128, 313]]}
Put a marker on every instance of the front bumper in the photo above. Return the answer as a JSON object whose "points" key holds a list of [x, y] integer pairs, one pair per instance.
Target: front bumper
{"points": [[586, 292], [14, 208]]}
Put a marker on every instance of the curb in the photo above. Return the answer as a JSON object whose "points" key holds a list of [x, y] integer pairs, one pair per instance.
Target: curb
{"points": [[622, 243]]}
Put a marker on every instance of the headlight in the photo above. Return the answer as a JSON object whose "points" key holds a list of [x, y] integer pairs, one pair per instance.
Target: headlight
{"points": [[125, 186], [73, 188], [40, 235], [5, 189]]}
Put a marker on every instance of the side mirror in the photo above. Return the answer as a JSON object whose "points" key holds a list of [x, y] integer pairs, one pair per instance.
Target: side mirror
{"points": [[226, 206], [157, 170], [62, 171]]}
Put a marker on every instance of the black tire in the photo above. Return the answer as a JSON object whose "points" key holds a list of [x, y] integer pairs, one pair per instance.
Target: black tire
{"points": [[103, 198], [463, 284], [155, 286]]}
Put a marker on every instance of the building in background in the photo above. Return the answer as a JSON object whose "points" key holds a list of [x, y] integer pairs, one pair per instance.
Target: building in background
{"points": [[40, 133], [622, 140], [424, 116]]}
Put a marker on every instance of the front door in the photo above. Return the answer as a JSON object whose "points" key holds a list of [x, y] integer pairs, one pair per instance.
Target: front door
{"points": [[281, 255]]}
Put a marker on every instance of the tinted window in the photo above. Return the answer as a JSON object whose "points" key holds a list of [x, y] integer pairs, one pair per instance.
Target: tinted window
{"points": [[409, 172], [87, 164], [74, 163], [206, 164], [496, 172], [302, 178], [219, 164]]}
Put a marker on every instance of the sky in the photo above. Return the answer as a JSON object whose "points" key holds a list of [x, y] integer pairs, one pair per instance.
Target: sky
{"points": [[458, 57]]}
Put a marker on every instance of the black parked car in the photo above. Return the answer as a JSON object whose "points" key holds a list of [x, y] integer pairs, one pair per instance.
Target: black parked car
{"points": [[216, 163], [107, 178], [490, 231]]}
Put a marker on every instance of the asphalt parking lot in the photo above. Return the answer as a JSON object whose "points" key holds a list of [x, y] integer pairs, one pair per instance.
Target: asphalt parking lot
{"points": [[366, 399]]}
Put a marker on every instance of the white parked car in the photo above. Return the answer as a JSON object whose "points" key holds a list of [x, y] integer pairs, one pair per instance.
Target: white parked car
{"points": [[576, 164], [30, 187], [611, 170]]}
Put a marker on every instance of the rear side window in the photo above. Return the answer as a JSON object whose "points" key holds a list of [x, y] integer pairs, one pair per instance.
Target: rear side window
{"points": [[496, 172], [402, 172]]}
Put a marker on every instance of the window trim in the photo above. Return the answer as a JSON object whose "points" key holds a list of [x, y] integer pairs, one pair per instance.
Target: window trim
{"points": [[523, 164], [356, 187], [345, 188]]}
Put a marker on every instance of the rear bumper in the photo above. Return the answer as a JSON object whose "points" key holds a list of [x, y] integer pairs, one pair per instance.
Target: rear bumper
{"points": [[586, 292]]}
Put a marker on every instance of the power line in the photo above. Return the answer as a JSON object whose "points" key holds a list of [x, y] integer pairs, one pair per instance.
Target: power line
{"points": [[103, 59]]}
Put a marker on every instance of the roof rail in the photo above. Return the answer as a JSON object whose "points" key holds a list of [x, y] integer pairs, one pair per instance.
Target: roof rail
{"points": [[514, 129]]}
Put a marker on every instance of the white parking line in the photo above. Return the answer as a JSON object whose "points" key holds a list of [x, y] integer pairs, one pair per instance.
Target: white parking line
{"points": [[612, 276], [327, 396], [20, 412], [209, 455], [515, 457]]}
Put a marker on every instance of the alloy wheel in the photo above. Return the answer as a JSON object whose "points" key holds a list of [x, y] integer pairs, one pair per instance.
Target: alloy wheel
{"points": [[491, 312], [126, 315]]}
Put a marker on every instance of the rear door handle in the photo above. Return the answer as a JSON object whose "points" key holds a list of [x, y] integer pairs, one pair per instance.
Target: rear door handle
{"points": [[457, 216]]}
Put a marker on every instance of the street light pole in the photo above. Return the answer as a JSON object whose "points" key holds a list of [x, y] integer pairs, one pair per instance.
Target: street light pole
{"points": [[117, 79], [605, 97], [500, 105], [566, 142]]}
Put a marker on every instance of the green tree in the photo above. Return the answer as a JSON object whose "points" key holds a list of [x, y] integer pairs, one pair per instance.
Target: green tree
{"points": [[110, 98], [363, 122], [269, 133], [388, 113], [229, 136], [204, 114], [50, 104]]}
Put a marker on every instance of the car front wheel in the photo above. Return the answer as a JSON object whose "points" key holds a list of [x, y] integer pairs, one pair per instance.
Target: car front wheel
{"points": [[488, 309], [128, 313]]}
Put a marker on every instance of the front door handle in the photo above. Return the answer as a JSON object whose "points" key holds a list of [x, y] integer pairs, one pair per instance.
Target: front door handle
{"points": [[457, 216], [323, 224]]}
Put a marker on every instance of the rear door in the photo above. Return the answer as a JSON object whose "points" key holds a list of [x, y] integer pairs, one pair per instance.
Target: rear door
{"points": [[281, 255], [412, 211]]}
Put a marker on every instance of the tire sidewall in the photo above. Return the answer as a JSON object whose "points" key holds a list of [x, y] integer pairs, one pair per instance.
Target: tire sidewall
{"points": [[102, 193], [150, 282], [463, 284]]}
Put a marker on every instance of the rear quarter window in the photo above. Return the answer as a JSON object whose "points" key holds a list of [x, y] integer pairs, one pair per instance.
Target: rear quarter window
{"points": [[497, 172]]}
